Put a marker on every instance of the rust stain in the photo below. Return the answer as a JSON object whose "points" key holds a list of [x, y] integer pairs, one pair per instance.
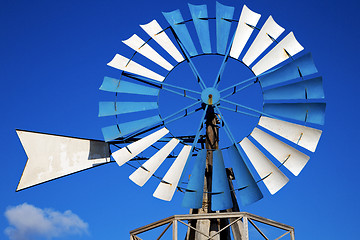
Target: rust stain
{"points": [[210, 99]]}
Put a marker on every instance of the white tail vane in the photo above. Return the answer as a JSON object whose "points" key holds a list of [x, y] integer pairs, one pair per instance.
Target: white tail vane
{"points": [[154, 30], [144, 49], [269, 32], [291, 158], [53, 156], [305, 137], [127, 65], [132, 150], [143, 173], [169, 183], [272, 177], [286, 48], [243, 31]]}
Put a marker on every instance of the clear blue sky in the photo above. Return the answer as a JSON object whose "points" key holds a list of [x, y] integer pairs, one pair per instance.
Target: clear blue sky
{"points": [[53, 60]]}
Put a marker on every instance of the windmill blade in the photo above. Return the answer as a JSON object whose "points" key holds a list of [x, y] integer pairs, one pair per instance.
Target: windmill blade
{"points": [[127, 65], [176, 21], [200, 18], [305, 137], [193, 197], [144, 49], [53, 156], [114, 108], [224, 16], [221, 196], [247, 23], [309, 89], [249, 190], [122, 129], [269, 32], [154, 30], [132, 150], [168, 185], [272, 177], [115, 85], [287, 47], [291, 158], [143, 173], [300, 67], [305, 112]]}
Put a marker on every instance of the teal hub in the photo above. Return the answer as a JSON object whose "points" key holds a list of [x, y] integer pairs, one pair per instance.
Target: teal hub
{"points": [[210, 96]]}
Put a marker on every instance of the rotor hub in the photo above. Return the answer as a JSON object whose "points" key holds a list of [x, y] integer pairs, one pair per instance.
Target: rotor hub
{"points": [[210, 96]]}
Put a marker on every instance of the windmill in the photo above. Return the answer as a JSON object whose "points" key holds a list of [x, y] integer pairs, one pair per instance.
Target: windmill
{"points": [[287, 126]]}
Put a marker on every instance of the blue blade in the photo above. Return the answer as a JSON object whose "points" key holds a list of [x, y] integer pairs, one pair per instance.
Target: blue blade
{"points": [[221, 197], [305, 112], [200, 15], [250, 192], [176, 20], [115, 85], [194, 197], [224, 16], [303, 65], [309, 89], [114, 108], [116, 131]]}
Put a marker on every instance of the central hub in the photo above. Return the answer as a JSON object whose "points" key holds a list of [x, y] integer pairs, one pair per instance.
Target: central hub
{"points": [[210, 96]]}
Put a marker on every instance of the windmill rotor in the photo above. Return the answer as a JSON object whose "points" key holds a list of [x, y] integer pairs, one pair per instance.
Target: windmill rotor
{"points": [[288, 125]]}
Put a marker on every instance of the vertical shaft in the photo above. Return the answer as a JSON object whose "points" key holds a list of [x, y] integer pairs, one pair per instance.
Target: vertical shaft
{"points": [[208, 226], [211, 143]]}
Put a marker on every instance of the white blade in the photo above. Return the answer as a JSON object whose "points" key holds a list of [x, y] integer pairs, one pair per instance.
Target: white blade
{"points": [[275, 179], [243, 31], [166, 189], [305, 137], [291, 158], [53, 156], [144, 49], [263, 40], [154, 30], [132, 150], [124, 64], [289, 45], [143, 173]]}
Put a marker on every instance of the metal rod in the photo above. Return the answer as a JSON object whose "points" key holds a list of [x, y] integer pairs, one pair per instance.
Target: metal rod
{"points": [[194, 143], [189, 113], [188, 59], [282, 235], [223, 64], [217, 233], [248, 108], [237, 111], [141, 78], [237, 84], [227, 130], [258, 229], [193, 228], [248, 80], [180, 94], [240, 89], [175, 230], [163, 232]]}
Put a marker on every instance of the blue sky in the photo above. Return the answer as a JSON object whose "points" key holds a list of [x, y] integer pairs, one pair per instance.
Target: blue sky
{"points": [[54, 56]]}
